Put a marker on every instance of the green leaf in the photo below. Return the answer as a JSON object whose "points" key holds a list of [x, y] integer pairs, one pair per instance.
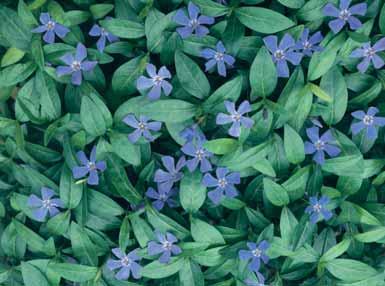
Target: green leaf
{"points": [[201, 231], [94, 115], [74, 272], [382, 20], [70, 192], [124, 29], [125, 149], [294, 146], [82, 246], [157, 270], [317, 91], [169, 110], [59, 224], [376, 234], [98, 11], [287, 225], [14, 74], [12, 56], [275, 193], [191, 274], [221, 146], [336, 250], [32, 275], [350, 270], [192, 193], [211, 8], [294, 4]]}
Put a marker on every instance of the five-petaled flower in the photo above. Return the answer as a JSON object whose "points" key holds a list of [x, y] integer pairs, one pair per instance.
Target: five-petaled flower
{"points": [[200, 156], [90, 167], [224, 184], [318, 209], [156, 83], [283, 52], [369, 54], [173, 174], [368, 122], [126, 263], [309, 45], [192, 133], [165, 245], [235, 117], [76, 64], [217, 57], [162, 196], [193, 24], [104, 35], [45, 205], [50, 27], [320, 145], [344, 14], [142, 126], [256, 253]]}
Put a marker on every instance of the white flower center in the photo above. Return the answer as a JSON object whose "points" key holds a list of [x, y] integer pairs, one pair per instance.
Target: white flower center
{"points": [[157, 80], [47, 204], [167, 245], [236, 116], [163, 197], [344, 14], [76, 66], [369, 52], [257, 252], [125, 261], [50, 25], [317, 208], [222, 182], [319, 145], [91, 165], [279, 54], [307, 45], [219, 56], [194, 23], [368, 120], [103, 32], [142, 126], [199, 154]]}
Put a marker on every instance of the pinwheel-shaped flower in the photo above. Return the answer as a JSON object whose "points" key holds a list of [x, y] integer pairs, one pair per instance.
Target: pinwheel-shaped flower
{"points": [[369, 54], [104, 35], [156, 83], [76, 64], [255, 253], [282, 53], [344, 15], [368, 122], [193, 24], [142, 126], [162, 196], [309, 45], [89, 167], [224, 184], [199, 155], [46, 205], [320, 145], [173, 174], [217, 58], [317, 209], [235, 117], [165, 245], [126, 264], [49, 27]]}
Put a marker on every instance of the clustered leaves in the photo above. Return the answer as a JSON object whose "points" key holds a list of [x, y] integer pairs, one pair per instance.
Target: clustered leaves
{"points": [[191, 143]]}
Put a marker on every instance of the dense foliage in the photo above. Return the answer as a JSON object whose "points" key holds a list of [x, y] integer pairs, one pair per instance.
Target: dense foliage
{"points": [[169, 142]]}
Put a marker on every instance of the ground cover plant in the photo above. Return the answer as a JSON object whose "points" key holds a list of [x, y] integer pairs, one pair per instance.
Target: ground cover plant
{"points": [[170, 142]]}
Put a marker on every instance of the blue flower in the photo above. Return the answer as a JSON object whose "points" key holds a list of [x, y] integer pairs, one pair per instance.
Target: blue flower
{"points": [[173, 174], [50, 27], [368, 122], [142, 126], [318, 209], [126, 264], [76, 64], [88, 167], [165, 245], [309, 45], [217, 57], [369, 54], [199, 156], [156, 83], [193, 24], [162, 196], [97, 31], [224, 184], [47, 205], [192, 133], [255, 253]]}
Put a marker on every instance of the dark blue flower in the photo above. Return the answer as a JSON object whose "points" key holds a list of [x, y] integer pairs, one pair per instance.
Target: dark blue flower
{"points": [[235, 117], [318, 209], [217, 58], [193, 24], [199, 156], [255, 253], [76, 64], [224, 184], [320, 145], [142, 126], [282, 53], [368, 122], [344, 14], [104, 35], [369, 54], [173, 174], [156, 83], [88, 167], [162, 196], [46, 205], [309, 45], [50, 28], [165, 245], [126, 264]]}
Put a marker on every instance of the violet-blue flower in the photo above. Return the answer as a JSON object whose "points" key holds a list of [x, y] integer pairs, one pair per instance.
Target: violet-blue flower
{"points": [[193, 24], [142, 126], [368, 122], [165, 245], [50, 27], [369, 54], [104, 35], [218, 58], [156, 83], [344, 14], [162, 196], [282, 53], [309, 45], [317, 209], [255, 253], [173, 174], [89, 167], [199, 155], [224, 184], [320, 145], [126, 264], [46, 205], [76, 64], [236, 117]]}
